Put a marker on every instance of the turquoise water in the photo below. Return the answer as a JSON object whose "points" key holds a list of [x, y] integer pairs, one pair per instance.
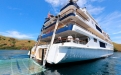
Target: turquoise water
{"points": [[17, 62], [8, 54], [105, 66]]}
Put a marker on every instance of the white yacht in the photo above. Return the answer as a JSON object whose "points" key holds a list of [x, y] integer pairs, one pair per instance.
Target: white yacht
{"points": [[73, 35]]}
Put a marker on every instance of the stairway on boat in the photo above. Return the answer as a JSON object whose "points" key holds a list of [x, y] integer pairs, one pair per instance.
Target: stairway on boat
{"points": [[38, 54]]}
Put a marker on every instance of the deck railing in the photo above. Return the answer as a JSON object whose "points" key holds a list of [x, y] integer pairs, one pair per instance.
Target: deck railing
{"points": [[71, 3]]}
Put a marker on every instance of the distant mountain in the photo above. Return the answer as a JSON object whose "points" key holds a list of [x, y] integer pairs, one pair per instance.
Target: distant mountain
{"points": [[12, 43], [117, 47]]}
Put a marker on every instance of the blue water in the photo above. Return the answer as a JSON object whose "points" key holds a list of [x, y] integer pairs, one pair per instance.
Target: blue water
{"points": [[105, 66], [17, 62], [8, 54]]}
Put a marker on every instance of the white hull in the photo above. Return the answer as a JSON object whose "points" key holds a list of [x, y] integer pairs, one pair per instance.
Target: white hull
{"points": [[64, 54], [80, 54], [71, 51]]}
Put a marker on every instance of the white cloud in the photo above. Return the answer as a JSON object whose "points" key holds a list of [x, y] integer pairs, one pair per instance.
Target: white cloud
{"points": [[13, 8], [97, 0], [111, 24], [16, 34], [81, 3], [117, 39], [56, 3], [117, 32], [53, 2], [111, 20], [94, 10]]}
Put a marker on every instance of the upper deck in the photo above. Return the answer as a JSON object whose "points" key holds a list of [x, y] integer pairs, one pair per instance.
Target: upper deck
{"points": [[72, 14]]}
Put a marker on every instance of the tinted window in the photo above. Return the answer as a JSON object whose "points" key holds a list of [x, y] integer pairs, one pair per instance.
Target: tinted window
{"points": [[102, 45], [98, 28], [95, 40]]}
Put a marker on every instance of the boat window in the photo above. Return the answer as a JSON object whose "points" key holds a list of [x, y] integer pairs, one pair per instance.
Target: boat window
{"points": [[98, 28], [102, 44], [95, 40]]}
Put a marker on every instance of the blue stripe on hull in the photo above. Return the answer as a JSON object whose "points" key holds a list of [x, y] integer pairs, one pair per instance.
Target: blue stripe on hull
{"points": [[80, 54], [58, 31]]}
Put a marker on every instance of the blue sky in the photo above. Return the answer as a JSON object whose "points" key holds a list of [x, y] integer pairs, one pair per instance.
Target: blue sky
{"points": [[23, 19]]}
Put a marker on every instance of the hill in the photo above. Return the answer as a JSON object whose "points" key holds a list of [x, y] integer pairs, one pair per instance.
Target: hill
{"points": [[12, 43], [117, 47]]}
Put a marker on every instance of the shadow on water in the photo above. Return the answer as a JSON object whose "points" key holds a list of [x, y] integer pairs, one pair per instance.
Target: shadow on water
{"points": [[62, 65], [102, 66], [76, 68]]}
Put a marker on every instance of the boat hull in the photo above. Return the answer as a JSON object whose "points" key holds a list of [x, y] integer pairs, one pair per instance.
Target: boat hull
{"points": [[73, 54]]}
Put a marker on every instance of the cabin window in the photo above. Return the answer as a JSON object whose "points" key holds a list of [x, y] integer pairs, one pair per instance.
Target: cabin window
{"points": [[95, 40], [98, 28], [102, 44]]}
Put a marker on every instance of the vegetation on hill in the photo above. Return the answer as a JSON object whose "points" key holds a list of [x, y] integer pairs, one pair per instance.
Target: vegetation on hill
{"points": [[12, 43], [117, 47]]}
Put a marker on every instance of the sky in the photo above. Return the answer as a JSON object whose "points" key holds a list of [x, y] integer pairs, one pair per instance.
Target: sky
{"points": [[23, 19]]}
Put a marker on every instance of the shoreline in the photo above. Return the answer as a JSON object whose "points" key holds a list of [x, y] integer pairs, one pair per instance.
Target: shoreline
{"points": [[12, 49]]}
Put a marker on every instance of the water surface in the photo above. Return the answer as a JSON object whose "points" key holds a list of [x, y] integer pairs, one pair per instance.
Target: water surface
{"points": [[8, 54], [17, 62], [105, 66]]}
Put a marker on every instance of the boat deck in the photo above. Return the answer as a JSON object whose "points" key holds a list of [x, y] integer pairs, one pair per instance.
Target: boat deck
{"points": [[25, 66]]}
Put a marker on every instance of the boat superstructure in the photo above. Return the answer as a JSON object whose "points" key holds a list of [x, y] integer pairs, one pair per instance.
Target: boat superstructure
{"points": [[72, 35]]}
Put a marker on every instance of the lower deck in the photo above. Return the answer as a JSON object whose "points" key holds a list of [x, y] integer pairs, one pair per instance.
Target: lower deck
{"points": [[78, 35]]}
